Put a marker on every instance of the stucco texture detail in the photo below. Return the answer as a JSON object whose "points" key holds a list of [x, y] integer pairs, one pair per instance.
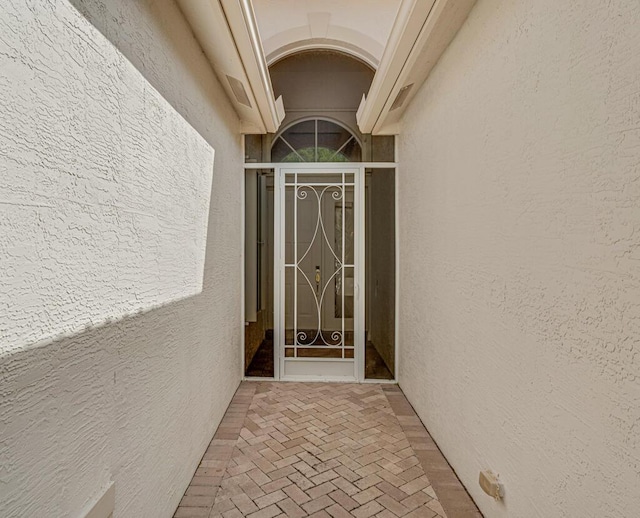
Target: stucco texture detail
{"points": [[105, 190], [519, 206], [105, 187]]}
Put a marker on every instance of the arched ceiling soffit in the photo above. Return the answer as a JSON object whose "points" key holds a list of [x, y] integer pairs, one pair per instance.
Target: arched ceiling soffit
{"points": [[358, 27], [322, 44]]}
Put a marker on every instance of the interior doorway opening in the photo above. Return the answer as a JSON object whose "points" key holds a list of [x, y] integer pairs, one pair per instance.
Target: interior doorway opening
{"points": [[320, 323]]}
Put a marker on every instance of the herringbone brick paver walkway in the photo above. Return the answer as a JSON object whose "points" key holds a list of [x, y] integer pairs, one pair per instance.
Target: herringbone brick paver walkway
{"points": [[319, 450]]}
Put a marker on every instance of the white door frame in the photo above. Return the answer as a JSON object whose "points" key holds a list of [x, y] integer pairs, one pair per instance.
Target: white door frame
{"points": [[356, 372], [364, 165]]}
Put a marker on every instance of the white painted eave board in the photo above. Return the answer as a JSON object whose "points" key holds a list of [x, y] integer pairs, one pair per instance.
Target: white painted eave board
{"points": [[224, 33], [421, 32]]}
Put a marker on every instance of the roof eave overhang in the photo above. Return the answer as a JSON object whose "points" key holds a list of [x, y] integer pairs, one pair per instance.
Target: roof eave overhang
{"points": [[228, 34], [422, 31]]}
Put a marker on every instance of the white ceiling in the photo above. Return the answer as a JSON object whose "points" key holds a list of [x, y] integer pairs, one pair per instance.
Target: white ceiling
{"points": [[360, 27]]}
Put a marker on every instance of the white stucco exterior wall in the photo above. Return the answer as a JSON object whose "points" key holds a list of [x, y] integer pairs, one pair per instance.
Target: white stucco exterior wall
{"points": [[519, 203], [105, 186], [135, 396]]}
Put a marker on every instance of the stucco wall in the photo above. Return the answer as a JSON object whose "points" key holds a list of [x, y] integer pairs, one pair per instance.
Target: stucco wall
{"points": [[136, 394], [519, 205], [105, 186]]}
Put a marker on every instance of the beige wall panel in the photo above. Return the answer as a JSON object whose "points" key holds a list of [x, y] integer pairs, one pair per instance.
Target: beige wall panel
{"points": [[134, 399], [520, 256]]}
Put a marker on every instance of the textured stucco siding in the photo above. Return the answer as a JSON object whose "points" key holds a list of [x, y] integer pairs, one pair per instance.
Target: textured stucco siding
{"points": [[117, 230], [519, 202], [105, 187]]}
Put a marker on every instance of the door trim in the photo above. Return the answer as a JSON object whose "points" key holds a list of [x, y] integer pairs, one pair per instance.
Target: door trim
{"points": [[364, 165], [280, 171]]}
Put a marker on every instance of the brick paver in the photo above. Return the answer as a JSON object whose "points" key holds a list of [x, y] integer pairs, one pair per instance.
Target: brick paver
{"points": [[325, 450]]}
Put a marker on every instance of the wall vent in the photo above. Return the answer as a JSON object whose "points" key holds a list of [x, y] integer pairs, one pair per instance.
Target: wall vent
{"points": [[238, 91], [401, 97]]}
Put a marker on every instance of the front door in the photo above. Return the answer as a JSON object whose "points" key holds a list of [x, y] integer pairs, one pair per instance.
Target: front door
{"points": [[318, 274]]}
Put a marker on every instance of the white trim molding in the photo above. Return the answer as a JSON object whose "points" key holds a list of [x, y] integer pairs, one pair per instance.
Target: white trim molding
{"points": [[421, 32], [302, 45], [228, 33]]}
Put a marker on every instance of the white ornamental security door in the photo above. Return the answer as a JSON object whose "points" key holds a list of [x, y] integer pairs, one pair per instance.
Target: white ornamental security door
{"points": [[318, 275]]}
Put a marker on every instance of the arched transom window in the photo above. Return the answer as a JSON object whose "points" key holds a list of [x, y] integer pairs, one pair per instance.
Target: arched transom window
{"points": [[316, 140]]}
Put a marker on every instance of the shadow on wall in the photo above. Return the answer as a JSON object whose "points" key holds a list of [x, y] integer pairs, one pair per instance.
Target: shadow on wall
{"points": [[87, 409], [169, 57], [80, 411], [137, 400], [108, 187], [117, 20]]}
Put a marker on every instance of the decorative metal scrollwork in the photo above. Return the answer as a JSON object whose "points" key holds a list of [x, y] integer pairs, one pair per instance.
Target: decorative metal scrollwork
{"points": [[302, 338]]}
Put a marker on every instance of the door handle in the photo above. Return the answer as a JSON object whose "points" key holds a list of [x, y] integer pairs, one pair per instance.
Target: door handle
{"points": [[317, 279]]}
